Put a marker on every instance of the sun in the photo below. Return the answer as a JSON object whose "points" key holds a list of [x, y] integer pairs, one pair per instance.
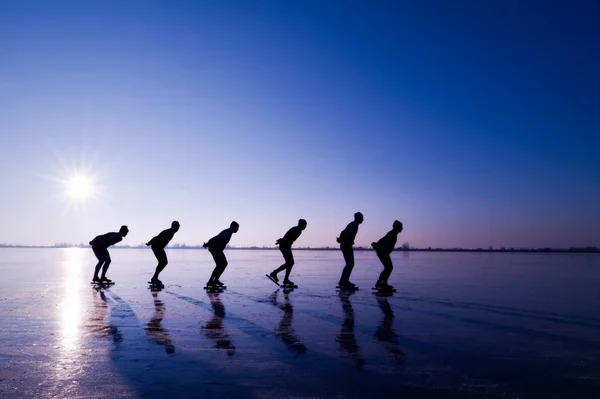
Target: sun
{"points": [[79, 187], [78, 181]]}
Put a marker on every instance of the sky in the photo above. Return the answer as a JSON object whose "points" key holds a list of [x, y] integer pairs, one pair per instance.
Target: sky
{"points": [[474, 123]]}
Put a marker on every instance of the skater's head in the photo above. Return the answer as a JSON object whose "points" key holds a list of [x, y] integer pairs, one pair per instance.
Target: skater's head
{"points": [[398, 226], [234, 227], [175, 225], [358, 217], [123, 231], [302, 224]]}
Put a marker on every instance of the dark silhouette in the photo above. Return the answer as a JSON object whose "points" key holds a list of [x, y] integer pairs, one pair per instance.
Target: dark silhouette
{"points": [[384, 247], [158, 245], [216, 246], [285, 246], [385, 332], [154, 327], [285, 330], [100, 246], [346, 337], [214, 328], [346, 241]]}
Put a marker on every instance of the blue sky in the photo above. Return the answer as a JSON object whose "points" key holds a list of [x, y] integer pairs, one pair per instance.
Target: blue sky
{"points": [[474, 123]]}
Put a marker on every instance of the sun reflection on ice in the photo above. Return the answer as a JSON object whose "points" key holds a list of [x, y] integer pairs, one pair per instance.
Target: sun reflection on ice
{"points": [[69, 368], [70, 308]]}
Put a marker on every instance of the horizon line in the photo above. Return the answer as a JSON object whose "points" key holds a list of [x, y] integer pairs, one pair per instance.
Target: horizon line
{"points": [[586, 249]]}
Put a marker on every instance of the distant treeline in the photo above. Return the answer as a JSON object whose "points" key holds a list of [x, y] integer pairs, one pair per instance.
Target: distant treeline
{"points": [[404, 247]]}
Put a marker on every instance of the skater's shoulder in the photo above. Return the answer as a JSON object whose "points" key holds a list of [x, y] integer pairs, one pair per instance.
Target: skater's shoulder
{"points": [[351, 228], [225, 232], [109, 235], [296, 230], [352, 225], [170, 232]]}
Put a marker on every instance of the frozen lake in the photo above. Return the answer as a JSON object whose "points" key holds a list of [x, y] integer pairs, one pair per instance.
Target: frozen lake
{"points": [[460, 325]]}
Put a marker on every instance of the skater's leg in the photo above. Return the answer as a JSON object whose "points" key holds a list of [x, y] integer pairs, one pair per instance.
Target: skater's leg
{"points": [[97, 270], [222, 266], [105, 267], [103, 261], [279, 269], [214, 272], [386, 260], [289, 263], [381, 279], [101, 256], [283, 267], [220, 271], [161, 256], [212, 277], [348, 253]]}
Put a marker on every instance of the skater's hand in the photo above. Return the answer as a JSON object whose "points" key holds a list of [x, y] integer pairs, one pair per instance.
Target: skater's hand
{"points": [[278, 241], [337, 239], [147, 244], [205, 245], [374, 245]]}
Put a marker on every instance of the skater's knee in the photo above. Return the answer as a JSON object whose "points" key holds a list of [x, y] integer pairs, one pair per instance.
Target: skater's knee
{"points": [[290, 263]]}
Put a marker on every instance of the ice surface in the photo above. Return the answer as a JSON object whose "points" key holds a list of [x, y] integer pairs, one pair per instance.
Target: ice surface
{"points": [[460, 325]]}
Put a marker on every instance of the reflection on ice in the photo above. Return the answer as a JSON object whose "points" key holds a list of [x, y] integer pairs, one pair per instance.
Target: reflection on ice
{"points": [[98, 323], [285, 329], [154, 327], [385, 332], [68, 366], [214, 329], [463, 333], [70, 307], [346, 337]]}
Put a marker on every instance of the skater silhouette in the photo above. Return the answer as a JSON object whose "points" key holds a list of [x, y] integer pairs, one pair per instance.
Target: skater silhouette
{"points": [[285, 246], [346, 241], [216, 246], [384, 247], [385, 332], [285, 330], [100, 246], [346, 337], [214, 327], [154, 327], [158, 245]]}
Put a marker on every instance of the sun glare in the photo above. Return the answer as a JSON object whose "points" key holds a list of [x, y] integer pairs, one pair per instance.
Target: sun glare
{"points": [[79, 183], [79, 187]]}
